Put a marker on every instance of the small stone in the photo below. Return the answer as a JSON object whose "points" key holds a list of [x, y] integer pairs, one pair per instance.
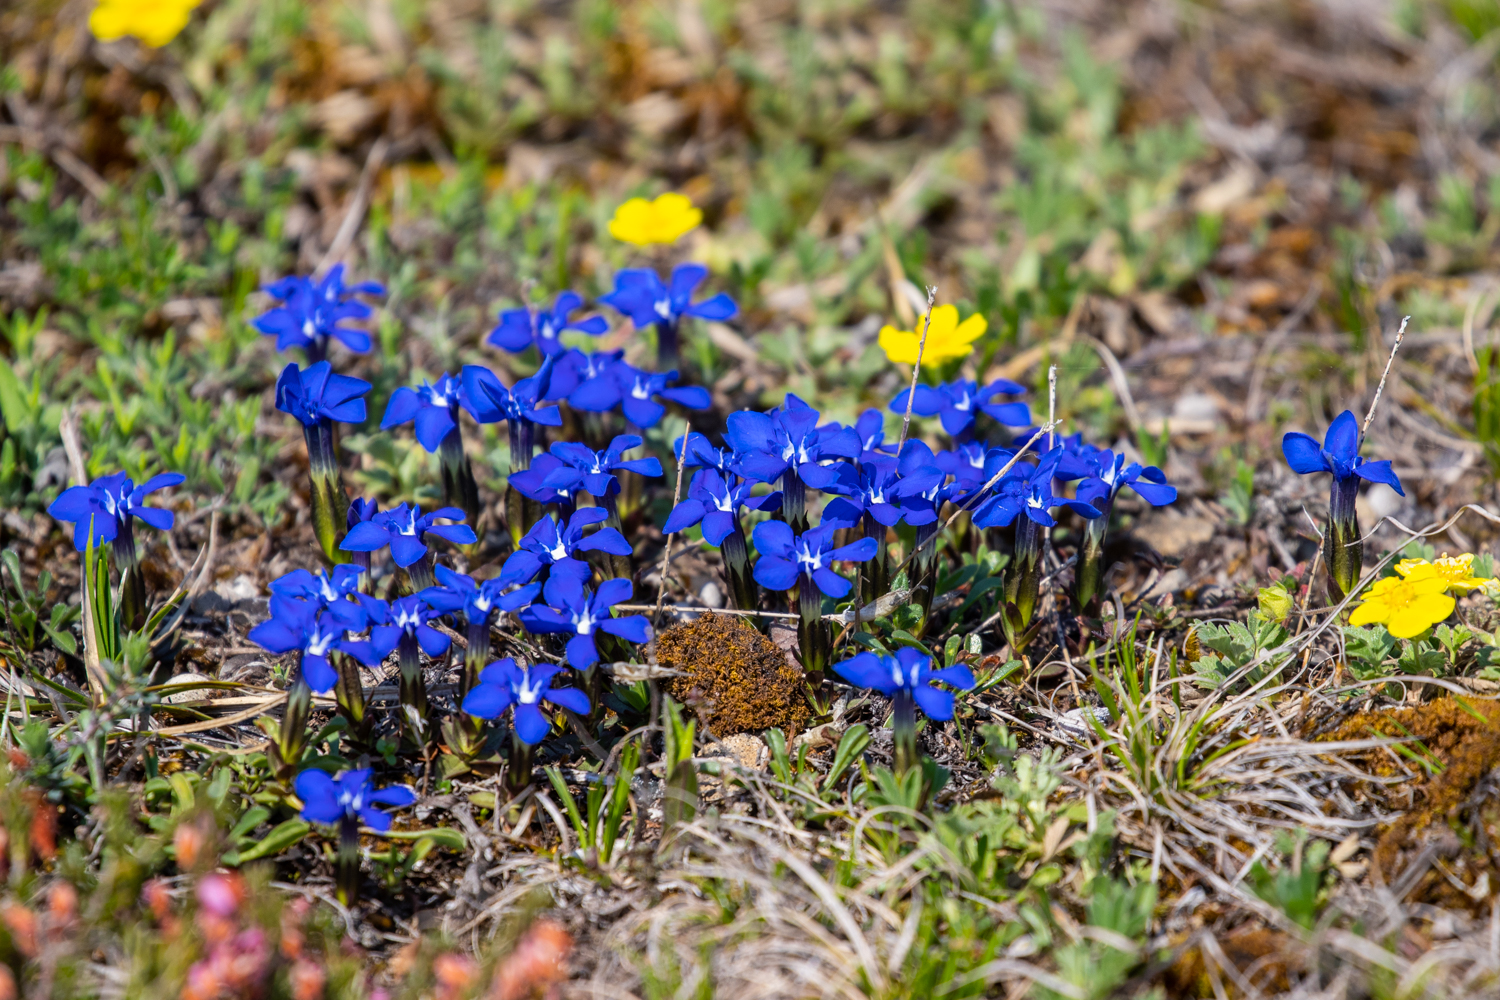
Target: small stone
{"points": [[749, 750], [181, 697], [711, 596], [1172, 535]]}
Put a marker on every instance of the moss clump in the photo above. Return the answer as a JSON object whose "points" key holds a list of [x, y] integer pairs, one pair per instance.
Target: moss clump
{"points": [[733, 675], [1464, 736]]}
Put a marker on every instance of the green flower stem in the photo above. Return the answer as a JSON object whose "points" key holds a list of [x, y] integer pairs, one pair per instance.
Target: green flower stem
{"points": [[132, 583], [291, 740], [1343, 548], [813, 633], [459, 488], [877, 573], [419, 573], [346, 874], [667, 344], [904, 731], [1023, 585], [924, 570], [794, 501], [330, 505], [1090, 569], [518, 767], [349, 693], [743, 590], [413, 688]]}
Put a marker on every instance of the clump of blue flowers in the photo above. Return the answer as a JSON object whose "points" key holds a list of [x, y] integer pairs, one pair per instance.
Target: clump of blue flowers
{"points": [[310, 314]]}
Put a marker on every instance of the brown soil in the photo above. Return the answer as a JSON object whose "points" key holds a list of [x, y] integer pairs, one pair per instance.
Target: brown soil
{"points": [[1267, 958], [1448, 809], [733, 676]]}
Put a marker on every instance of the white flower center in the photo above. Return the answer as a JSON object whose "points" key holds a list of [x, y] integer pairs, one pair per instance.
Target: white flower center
{"points": [[308, 329], [352, 801], [321, 642], [528, 693], [410, 525], [584, 621], [809, 558], [963, 403], [640, 390], [559, 551], [663, 308]]}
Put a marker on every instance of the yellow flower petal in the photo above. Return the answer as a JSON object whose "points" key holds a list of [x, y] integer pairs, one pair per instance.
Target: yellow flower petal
{"points": [[947, 338], [1369, 613], [155, 22], [664, 220], [1421, 614]]}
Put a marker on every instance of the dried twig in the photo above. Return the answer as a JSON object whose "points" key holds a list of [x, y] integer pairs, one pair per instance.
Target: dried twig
{"points": [[1400, 333], [916, 369]]}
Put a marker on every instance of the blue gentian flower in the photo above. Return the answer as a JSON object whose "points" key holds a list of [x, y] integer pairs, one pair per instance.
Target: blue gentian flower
{"points": [[877, 489], [350, 796], [478, 601], [305, 626], [315, 394], [409, 616], [1105, 474], [504, 685], [1027, 490], [332, 590], [110, 503], [570, 610], [309, 314], [1109, 474], [360, 510], [520, 407], [972, 464], [640, 294], [531, 483], [592, 471], [785, 558], [490, 402], [701, 453], [549, 542], [1343, 547], [956, 404], [583, 379], [404, 529], [1339, 454], [909, 672], [433, 407], [768, 444], [715, 503], [638, 392], [870, 428], [520, 328]]}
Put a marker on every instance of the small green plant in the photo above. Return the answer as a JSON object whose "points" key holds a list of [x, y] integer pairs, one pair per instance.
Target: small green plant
{"points": [[1296, 888]]}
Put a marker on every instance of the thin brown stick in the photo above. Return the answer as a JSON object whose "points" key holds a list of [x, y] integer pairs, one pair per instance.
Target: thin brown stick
{"points": [[916, 369], [1400, 333], [1051, 406], [666, 554]]}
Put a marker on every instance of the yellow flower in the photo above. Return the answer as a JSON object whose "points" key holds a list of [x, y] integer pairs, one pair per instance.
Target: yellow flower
{"points": [[155, 22], [1457, 571], [1405, 607], [947, 338], [664, 220]]}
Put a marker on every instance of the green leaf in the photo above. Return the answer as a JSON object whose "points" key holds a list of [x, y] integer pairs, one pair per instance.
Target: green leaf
{"points": [[853, 743], [279, 839], [905, 638], [253, 817], [12, 399], [442, 836]]}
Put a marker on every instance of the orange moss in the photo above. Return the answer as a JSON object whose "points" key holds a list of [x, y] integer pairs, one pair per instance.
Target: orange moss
{"points": [[1465, 738], [733, 675]]}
